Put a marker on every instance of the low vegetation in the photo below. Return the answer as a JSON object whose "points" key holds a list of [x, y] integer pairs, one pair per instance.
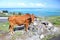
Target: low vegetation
{"points": [[5, 13], [4, 26], [55, 20]]}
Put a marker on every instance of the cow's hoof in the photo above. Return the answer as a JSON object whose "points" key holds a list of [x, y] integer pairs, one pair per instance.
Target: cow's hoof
{"points": [[11, 33]]}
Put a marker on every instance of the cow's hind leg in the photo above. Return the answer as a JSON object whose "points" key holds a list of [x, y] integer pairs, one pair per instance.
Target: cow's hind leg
{"points": [[11, 29]]}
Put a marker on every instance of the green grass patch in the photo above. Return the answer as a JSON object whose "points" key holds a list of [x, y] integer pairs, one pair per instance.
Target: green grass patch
{"points": [[48, 37], [4, 26], [16, 35], [54, 20]]}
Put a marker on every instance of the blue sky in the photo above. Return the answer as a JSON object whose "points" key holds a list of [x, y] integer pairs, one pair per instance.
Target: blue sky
{"points": [[29, 3]]}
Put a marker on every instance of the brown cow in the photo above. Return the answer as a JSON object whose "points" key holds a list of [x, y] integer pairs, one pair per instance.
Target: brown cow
{"points": [[20, 20]]}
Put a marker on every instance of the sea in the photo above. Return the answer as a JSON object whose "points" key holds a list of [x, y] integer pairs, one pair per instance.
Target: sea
{"points": [[35, 11]]}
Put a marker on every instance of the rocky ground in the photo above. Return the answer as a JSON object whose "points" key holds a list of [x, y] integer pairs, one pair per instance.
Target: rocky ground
{"points": [[37, 31]]}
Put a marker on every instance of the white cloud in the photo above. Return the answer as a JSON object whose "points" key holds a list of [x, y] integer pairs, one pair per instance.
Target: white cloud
{"points": [[31, 4], [40, 5], [21, 5], [7, 5]]}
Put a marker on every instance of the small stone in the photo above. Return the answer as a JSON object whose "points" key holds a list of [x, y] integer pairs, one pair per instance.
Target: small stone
{"points": [[42, 36]]}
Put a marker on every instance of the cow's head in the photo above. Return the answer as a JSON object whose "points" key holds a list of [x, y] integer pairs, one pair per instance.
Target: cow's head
{"points": [[33, 17]]}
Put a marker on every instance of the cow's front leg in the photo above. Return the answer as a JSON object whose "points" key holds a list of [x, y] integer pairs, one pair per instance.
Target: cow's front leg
{"points": [[26, 27]]}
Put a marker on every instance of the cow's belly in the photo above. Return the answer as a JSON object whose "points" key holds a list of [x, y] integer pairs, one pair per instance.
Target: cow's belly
{"points": [[20, 22]]}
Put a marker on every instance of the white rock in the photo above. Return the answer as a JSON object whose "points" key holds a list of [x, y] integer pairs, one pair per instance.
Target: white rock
{"points": [[35, 23], [42, 30], [18, 39], [50, 24], [35, 37], [55, 29], [29, 39], [42, 36]]}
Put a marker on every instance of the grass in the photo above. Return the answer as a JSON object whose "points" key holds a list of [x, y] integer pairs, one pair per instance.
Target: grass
{"points": [[55, 20], [48, 37], [4, 26]]}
